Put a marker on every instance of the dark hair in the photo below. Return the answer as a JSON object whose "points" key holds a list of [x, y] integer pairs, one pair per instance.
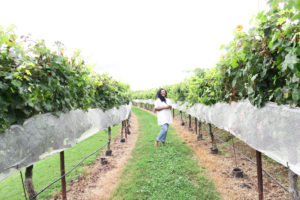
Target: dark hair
{"points": [[159, 95]]}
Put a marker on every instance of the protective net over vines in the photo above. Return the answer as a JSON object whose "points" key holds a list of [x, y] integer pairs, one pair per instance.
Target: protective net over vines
{"points": [[46, 134], [273, 130]]}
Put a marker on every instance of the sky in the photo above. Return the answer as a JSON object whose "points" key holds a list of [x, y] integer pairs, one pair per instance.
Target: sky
{"points": [[147, 44]]}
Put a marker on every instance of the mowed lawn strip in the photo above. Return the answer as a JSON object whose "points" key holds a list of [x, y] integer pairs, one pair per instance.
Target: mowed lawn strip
{"points": [[47, 170], [165, 172]]}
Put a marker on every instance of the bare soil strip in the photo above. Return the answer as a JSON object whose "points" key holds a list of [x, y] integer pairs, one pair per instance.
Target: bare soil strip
{"points": [[99, 181], [219, 168]]}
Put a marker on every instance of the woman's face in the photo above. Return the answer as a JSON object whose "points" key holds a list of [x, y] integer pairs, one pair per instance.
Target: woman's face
{"points": [[163, 93]]}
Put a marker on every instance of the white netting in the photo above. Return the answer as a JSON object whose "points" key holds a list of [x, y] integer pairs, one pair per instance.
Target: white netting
{"points": [[273, 130], [46, 134]]}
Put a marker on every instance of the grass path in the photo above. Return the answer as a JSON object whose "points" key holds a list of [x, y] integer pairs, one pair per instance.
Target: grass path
{"points": [[48, 169], [166, 172]]}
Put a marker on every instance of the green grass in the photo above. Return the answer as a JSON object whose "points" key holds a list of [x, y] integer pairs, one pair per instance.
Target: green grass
{"points": [[165, 172], [48, 169]]}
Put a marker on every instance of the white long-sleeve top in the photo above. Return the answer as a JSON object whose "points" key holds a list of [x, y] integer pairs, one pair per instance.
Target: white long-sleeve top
{"points": [[163, 116]]}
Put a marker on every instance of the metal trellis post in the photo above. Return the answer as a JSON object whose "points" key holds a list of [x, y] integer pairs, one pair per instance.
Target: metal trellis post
{"points": [[259, 175], [190, 123], [199, 137], [108, 151], [214, 148], [293, 186], [62, 173], [196, 123]]}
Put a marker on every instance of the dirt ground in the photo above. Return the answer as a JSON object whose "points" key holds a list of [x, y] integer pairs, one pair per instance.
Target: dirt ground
{"points": [[99, 181], [219, 167]]}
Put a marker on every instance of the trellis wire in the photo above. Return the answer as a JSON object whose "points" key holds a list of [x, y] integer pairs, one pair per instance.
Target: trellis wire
{"points": [[83, 159], [253, 162]]}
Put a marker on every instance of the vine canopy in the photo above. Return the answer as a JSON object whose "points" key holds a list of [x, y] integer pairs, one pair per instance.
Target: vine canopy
{"points": [[34, 79]]}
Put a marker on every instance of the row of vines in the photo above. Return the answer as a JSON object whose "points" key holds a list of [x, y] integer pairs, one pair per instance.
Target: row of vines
{"points": [[261, 65], [36, 79]]}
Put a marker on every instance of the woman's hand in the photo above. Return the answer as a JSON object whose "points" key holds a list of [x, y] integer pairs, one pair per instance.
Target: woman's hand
{"points": [[168, 107], [162, 108]]}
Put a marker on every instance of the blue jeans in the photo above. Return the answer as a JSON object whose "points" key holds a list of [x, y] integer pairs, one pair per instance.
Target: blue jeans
{"points": [[163, 133]]}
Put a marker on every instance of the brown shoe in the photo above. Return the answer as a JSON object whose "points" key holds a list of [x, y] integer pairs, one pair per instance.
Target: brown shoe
{"points": [[163, 143], [156, 143]]}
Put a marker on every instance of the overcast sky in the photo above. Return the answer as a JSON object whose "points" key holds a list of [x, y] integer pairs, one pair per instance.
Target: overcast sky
{"points": [[144, 43]]}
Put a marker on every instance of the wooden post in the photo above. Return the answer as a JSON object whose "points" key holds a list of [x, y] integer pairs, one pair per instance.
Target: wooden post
{"points": [[214, 148], [108, 151], [259, 176], [109, 137], [173, 112], [199, 137], [182, 122], [293, 189], [28, 182], [190, 123], [128, 121], [196, 123], [125, 128], [122, 136], [122, 129], [62, 173]]}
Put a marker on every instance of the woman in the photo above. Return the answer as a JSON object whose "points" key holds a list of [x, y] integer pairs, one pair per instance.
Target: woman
{"points": [[164, 117]]}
